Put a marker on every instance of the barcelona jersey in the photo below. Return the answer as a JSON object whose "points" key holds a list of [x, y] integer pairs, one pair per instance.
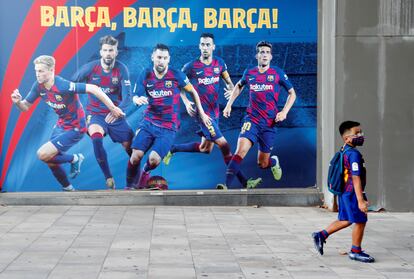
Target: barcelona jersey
{"points": [[64, 101], [115, 84], [163, 96], [206, 81], [264, 89], [354, 164]]}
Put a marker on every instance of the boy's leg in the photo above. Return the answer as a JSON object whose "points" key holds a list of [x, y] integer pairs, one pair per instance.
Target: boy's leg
{"points": [[356, 252], [319, 238]]}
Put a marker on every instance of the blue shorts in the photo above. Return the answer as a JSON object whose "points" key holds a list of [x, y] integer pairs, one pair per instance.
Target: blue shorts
{"points": [[65, 139], [119, 131], [148, 135], [348, 208], [265, 136], [211, 132]]}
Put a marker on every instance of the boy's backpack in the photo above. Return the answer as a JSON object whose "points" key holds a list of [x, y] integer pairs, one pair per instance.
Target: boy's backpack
{"points": [[336, 172]]}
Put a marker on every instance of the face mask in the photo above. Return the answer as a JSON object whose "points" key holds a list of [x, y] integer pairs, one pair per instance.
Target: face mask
{"points": [[358, 141]]}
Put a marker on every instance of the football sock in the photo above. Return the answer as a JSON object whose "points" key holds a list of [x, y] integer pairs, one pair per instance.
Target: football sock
{"points": [[356, 249], [62, 158], [240, 175], [60, 175], [186, 147], [132, 174], [271, 163], [100, 154], [324, 234], [232, 169]]}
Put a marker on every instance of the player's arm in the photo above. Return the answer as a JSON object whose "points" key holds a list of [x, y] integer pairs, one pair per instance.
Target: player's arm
{"points": [[204, 117], [188, 104], [125, 94], [229, 84], [125, 89], [95, 90], [139, 97], [288, 105], [237, 89], [22, 105]]}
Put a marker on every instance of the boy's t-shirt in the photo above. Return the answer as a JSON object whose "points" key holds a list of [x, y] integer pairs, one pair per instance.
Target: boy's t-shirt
{"points": [[354, 164]]}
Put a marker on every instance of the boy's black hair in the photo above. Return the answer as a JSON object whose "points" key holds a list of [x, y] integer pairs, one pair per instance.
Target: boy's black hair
{"points": [[347, 125]]}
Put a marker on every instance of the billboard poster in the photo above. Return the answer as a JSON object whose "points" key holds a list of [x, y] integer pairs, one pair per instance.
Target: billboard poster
{"points": [[70, 31]]}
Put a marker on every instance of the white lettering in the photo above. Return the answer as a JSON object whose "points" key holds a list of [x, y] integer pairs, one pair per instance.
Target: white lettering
{"points": [[160, 93], [261, 87], [56, 106], [208, 81]]}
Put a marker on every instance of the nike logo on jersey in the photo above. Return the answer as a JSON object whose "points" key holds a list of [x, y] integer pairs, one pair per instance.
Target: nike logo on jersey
{"points": [[95, 78], [42, 94], [150, 85], [59, 143], [252, 78], [199, 72]]}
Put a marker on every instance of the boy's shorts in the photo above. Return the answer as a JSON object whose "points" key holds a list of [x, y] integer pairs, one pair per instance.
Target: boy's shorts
{"points": [[349, 210], [119, 131], [149, 135]]}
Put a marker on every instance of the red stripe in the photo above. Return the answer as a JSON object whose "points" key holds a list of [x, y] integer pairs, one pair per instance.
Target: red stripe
{"points": [[63, 54], [26, 43]]}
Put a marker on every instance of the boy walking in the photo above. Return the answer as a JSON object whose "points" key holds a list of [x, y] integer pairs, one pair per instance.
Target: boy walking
{"points": [[353, 205]]}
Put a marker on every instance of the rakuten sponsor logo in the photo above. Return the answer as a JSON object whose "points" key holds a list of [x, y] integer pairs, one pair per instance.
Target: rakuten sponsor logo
{"points": [[208, 81], [56, 106], [261, 87], [160, 93]]}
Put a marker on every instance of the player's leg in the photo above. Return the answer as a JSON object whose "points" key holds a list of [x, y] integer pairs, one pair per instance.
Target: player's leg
{"points": [[46, 153], [133, 169], [120, 131], [97, 129], [247, 137], [163, 140], [227, 155], [140, 144], [207, 134], [53, 153], [266, 138], [233, 167]]}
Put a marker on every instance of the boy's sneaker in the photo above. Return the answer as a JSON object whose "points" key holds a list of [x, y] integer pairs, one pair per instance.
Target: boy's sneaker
{"points": [[110, 183], [221, 187], [69, 188], [75, 167], [129, 188], [253, 183], [167, 158], [276, 169], [318, 242], [361, 257]]}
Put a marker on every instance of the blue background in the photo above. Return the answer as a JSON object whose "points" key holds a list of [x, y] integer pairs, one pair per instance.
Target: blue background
{"points": [[295, 51]]}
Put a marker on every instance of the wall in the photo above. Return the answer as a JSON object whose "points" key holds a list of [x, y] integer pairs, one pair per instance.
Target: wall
{"points": [[374, 51]]}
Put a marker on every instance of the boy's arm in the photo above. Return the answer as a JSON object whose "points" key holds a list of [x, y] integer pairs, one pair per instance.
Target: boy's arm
{"points": [[362, 203]]}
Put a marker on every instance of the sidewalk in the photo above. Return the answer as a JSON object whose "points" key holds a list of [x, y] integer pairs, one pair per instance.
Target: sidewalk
{"points": [[194, 242]]}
